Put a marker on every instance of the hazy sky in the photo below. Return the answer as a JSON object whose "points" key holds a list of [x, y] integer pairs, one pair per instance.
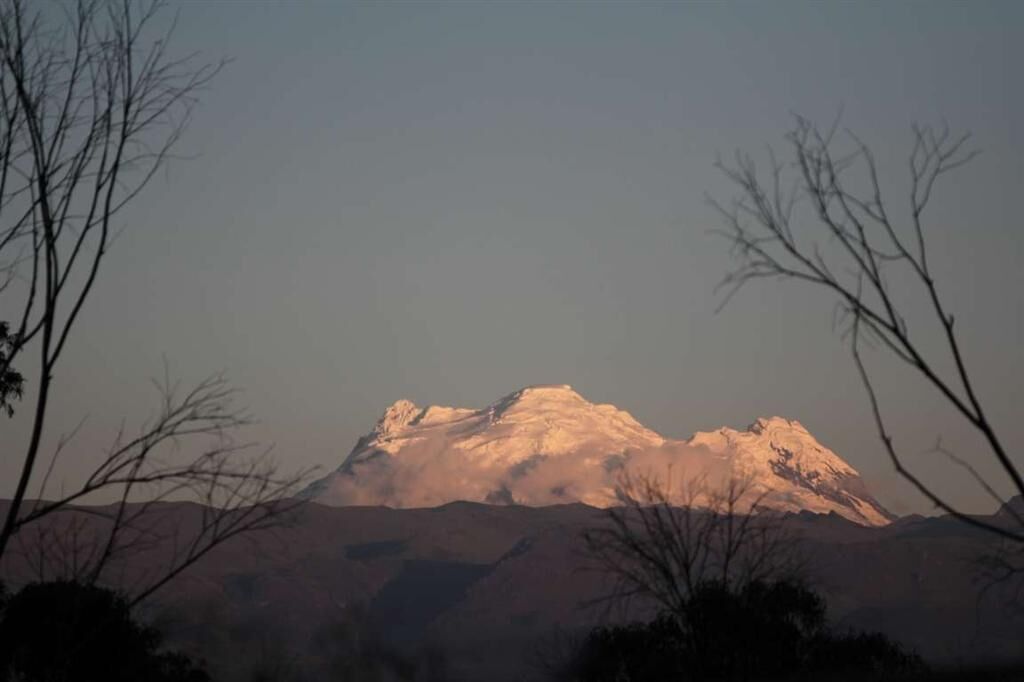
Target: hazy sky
{"points": [[447, 202]]}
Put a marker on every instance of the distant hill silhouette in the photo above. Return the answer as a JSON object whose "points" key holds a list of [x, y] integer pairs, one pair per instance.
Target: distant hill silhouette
{"points": [[486, 584]]}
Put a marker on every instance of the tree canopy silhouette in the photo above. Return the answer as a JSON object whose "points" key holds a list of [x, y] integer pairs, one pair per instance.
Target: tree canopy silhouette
{"points": [[763, 630], [69, 632]]}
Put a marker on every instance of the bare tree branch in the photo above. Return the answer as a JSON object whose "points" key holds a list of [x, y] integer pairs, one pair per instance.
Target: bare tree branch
{"points": [[664, 544], [186, 453], [92, 104], [868, 247], [79, 100]]}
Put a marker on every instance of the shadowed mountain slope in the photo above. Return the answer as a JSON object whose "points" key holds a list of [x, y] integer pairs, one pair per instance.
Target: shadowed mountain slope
{"points": [[486, 585]]}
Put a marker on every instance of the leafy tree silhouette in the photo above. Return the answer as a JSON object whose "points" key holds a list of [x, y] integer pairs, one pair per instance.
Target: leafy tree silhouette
{"points": [[760, 631], [628, 653], [70, 632]]}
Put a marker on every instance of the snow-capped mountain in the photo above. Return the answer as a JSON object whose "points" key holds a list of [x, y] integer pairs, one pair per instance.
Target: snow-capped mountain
{"points": [[782, 459], [548, 445]]}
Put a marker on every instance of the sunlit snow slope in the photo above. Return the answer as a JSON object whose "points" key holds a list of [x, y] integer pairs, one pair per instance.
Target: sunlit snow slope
{"points": [[548, 445]]}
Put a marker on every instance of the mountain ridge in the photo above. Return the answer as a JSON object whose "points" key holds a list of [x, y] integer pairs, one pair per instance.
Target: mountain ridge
{"points": [[524, 574]]}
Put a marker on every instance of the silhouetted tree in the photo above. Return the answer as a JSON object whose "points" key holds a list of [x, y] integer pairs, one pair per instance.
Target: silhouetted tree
{"points": [[725, 576], [855, 247], [758, 631], [661, 543], [68, 632], [91, 105], [861, 655], [236, 493], [89, 110], [630, 653]]}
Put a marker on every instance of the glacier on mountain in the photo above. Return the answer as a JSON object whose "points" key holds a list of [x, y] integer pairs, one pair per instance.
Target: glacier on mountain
{"points": [[546, 445]]}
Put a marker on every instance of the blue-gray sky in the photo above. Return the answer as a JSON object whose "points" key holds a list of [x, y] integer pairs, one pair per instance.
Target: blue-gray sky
{"points": [[446, 202]]}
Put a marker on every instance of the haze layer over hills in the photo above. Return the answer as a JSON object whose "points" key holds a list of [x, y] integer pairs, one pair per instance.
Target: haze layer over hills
{"points": [[546, 445]]}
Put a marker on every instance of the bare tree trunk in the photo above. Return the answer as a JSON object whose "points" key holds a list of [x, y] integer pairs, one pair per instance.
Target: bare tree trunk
{"points": [[91, 106]]}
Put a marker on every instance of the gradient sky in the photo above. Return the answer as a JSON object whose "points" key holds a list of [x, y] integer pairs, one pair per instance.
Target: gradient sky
{"points": [[447, 202]]}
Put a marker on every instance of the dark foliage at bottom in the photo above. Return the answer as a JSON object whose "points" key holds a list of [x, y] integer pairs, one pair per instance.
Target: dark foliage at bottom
{"points": [[764, 631], [69, 632]]}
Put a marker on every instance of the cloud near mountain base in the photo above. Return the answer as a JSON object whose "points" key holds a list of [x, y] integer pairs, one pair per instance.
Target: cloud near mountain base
{"points": [[429, 477]]}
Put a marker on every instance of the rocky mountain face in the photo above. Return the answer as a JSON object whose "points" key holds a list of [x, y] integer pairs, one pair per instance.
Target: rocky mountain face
{"points": [[547, 444]]}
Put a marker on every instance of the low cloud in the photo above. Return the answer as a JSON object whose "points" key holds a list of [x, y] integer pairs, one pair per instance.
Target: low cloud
{"points": [[428, 475]]}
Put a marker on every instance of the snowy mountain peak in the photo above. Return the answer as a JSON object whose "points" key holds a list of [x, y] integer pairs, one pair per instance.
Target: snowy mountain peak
{"points": [[564, 390], [543, 397], [777, 449], [762, 424], [547, 444], [396, 418]]}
